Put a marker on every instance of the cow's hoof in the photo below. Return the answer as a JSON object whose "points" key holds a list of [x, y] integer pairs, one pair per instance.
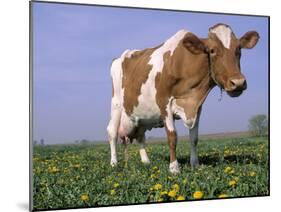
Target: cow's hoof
{"points": [[194, 164], [145, 161], [174, 167], [113, 163]]}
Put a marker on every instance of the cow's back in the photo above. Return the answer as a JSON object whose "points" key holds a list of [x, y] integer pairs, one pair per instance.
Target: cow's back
{"points": [[134, 80]]}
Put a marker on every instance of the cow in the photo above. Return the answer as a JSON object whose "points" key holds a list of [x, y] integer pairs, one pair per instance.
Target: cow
{"points": [[153, 87]]}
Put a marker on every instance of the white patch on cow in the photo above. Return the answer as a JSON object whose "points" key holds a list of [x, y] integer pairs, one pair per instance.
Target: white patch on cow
{"points": [[224, 34], [174, 167], [179, 111], [147, 107], [169, 120], [144, 157]]}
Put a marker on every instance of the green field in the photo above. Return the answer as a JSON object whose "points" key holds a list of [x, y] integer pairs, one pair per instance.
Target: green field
{"points": [[80, 175]]}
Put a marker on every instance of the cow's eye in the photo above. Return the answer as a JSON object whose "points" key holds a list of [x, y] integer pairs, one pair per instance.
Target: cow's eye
{"points": [[238, 51], [212, 51]]}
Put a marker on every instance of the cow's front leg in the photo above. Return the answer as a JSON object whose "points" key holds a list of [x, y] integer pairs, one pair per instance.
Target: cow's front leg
{"points": [[193, 137], [172, 141]]}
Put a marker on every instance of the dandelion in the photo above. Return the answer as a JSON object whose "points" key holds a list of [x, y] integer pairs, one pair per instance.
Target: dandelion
{"points": [[115, 185], [84, 197], [157, 186], [232, 183], [232, 171], [172, 193], [112, 192], [179, 198], [236, 179], [53, 169], [253, 174], [76, 166], [162, 193], [160, 200], [227, 169], [155, 168], [169, 178], [152, 176], [222, 196], [197, 195], [176, 187]]}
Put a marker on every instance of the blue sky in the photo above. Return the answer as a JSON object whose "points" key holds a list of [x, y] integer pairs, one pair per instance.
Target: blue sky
{"points": [[73, 49]]}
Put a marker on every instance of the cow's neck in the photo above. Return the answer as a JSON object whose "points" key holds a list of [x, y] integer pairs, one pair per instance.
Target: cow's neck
{"points": [[191, 77], [190, 72]]}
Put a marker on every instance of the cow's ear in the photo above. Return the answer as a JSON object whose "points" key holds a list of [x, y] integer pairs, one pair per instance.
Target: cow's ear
{"points": [[249, 40], [194, 44]]}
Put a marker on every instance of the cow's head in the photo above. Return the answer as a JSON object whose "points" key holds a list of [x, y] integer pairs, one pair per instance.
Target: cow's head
{"points": [[224, 52]]}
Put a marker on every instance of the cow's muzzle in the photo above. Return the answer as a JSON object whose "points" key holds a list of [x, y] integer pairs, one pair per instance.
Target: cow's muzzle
{"points": [[236, 87]]}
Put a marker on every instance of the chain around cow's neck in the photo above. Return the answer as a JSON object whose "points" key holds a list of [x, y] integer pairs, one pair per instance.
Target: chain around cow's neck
{"points": [[212, 75]]}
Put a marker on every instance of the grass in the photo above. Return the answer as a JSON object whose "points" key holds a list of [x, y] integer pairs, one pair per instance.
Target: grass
{"points": [[70, 176]]}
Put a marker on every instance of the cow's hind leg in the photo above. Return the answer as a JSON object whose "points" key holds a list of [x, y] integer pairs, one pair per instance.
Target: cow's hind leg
{"points": [[141, 141], [112, 130]]}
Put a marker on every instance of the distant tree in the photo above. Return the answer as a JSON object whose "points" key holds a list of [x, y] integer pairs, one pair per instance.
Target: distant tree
{"points": [[258, 125], [76, 141], [84, 141], [35, 142], [42, 142]]}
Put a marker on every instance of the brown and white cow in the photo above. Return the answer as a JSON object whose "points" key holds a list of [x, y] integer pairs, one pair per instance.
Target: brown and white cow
{"points": [[155, 86]]}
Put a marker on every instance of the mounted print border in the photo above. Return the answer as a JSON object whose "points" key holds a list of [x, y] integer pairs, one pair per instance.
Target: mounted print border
{"points": [[116, 95]]}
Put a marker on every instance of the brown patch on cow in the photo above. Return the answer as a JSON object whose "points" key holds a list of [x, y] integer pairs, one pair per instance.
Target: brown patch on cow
{"points": [[135, 72]]}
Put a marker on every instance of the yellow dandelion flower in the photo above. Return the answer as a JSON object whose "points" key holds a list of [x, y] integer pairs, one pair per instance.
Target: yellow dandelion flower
{"points": [[198, 195], [172, 193], [115, 185], [227, 169], [176, 187], [232, 183], [152, 176], [160, 200], [112, 192], [169, 178], [236, 179], [157, 186], [253, 174], [180, 198], [158, 171], [154, 167], [53, 169], [164, 193], [222, 196], [84, 197]]}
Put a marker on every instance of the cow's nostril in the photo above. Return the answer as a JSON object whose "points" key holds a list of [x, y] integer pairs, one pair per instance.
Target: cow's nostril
{"points": [[238, 83], [244, 87], [232, 82]]}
